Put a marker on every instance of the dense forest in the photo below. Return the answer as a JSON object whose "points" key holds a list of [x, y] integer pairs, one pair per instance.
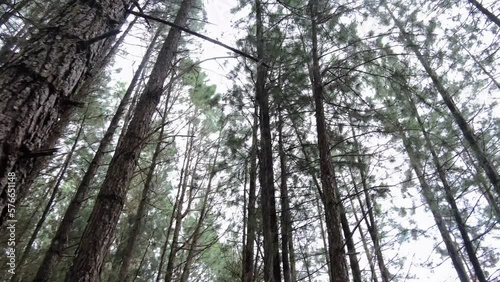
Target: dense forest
{"points": [[249, 140]]}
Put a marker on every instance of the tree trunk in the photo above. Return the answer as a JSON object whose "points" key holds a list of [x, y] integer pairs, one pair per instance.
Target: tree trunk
{"points": [[485, 12], [99, 232], [35, 165], [371, 223], [484, 186], [27, 250], [248, 252], [286, 220], [203, 213], [183, 175], [433, 205], [39, 81], [450, 198], [174, 248], [462, 123], [272, 271], [363, 237], [351, 248], [60, 239], [141, 209], [338, 264]]}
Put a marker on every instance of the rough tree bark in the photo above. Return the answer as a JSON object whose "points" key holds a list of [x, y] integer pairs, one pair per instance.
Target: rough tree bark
{"points": [[55, 191], [60, 239], [337, 261], [39, 81], [99, 231], [123, 275]]}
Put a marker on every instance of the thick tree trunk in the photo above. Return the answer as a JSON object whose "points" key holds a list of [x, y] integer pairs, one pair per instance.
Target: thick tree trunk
{"points": [[248, 252], [337, 261], [99, 232], [55, 191], [133, 234], [272, 271], [433, 206], [60, 239], [90, 84], [469, 135], [39, 81]]}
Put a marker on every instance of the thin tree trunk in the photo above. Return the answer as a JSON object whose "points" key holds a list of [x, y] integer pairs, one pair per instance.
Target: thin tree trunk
{"points": [[99, 231], [39, 81], [462, 123], [450, 198], [144, 255], [248, 253], [351, 248], [318, 195], [485, 12], [286, 222], [433, 205], [174, 248], [306, 263], [363, 238], [183, 175], [48, 206], [484, 186], [338, 264], [272, 271], [372, 223], [203, 213]]}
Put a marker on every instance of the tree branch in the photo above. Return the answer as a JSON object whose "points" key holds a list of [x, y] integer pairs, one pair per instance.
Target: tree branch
{"points": [[241, 53]]}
